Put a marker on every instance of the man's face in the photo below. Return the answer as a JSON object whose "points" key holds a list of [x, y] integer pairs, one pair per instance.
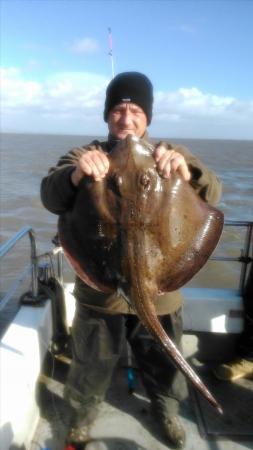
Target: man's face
{"points": [[127, 118]]}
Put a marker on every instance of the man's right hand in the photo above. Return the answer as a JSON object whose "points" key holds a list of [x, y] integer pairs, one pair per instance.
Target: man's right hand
{"points": [[93, 163]]}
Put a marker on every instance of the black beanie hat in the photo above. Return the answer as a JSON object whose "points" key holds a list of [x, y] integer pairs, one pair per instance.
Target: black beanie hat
{"points": [[131, 87]]}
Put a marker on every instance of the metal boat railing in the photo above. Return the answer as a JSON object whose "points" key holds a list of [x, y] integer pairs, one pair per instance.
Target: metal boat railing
{"points": [[35, 266], [245, 258]]}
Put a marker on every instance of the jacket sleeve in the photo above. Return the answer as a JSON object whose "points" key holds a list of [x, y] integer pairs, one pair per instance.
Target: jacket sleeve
{"points": [[57, 190], [203, 180]]}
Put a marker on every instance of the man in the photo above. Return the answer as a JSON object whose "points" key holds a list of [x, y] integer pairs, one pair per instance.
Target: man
{"points": [[101, 319]]}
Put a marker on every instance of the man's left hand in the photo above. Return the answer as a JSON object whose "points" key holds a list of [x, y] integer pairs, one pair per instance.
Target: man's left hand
{"points": [[168, 161]]}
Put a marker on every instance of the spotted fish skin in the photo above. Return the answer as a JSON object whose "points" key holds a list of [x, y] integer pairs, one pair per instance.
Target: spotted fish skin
{"points": [[142, 234]]}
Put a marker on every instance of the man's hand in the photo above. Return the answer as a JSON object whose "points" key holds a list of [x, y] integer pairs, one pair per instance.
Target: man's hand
{"points": [[168, 161], [93, 163]]}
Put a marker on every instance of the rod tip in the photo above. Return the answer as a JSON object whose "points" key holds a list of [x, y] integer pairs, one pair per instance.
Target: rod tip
{"points": [[219, 409]]}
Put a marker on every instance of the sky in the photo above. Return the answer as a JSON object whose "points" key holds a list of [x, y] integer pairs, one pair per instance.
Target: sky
{"points": [[55, 64]]}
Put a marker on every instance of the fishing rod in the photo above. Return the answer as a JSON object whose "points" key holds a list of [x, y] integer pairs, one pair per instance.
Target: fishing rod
{"points": [[110, 50]]}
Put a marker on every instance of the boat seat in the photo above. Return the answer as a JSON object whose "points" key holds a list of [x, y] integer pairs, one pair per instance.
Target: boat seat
{"points": [[212, 310]]}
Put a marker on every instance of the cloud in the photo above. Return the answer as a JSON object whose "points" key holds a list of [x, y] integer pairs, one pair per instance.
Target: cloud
{"points": [[84, 45], [70, 102], [192, 101], [61, 92], [189, 112], [73, 102], [17, 92]]}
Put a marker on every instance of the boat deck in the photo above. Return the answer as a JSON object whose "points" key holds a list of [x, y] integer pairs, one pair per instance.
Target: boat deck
{"points": [[125, 423]]}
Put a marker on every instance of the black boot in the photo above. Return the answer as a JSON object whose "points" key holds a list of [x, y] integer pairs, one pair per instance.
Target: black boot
{"points": [[80, 426], [165, 411], [78, 437], [174, 431]]}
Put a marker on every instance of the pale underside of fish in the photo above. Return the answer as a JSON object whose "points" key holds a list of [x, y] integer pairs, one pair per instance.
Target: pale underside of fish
{"points": [[142, 235]]}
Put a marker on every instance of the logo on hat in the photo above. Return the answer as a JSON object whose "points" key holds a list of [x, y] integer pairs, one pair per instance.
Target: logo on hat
{"points": [[126, 100]]}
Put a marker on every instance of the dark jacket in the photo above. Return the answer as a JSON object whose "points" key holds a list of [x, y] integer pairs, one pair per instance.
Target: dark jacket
{"points": [[58, 194]]}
